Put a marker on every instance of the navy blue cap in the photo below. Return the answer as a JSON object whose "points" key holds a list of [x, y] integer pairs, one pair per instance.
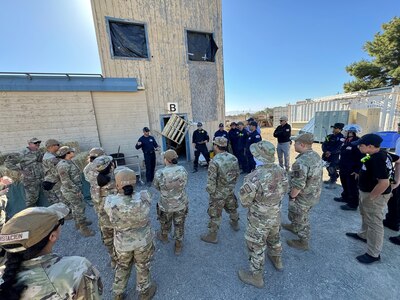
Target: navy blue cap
{"points": [[253, 123], [199, 124], [146, 129], [369, 139]]}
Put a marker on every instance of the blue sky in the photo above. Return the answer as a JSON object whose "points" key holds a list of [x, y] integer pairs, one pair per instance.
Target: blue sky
{"points": [[275, 51]]}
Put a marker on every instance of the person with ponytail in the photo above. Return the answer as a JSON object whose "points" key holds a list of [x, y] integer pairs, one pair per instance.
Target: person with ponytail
{"points": [[32, 271], [129, 215]]}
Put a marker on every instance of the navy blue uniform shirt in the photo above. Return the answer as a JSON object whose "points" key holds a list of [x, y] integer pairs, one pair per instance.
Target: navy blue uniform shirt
{"points": [[333, 143], [254, 137], [242, 138], [200, 135], [221, 133], [148, 144]]}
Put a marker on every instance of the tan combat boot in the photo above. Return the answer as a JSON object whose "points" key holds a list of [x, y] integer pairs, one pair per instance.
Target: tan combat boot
{"points": [[289, 227], [119, 297], [149, 293], [298, 244], [86, 231], [234, 225], [210, 237], [276, 261], [163, 237], [178, 247], [252, 278]]}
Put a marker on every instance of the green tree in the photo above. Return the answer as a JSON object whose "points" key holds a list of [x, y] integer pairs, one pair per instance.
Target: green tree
{"points": [[384, 67]]}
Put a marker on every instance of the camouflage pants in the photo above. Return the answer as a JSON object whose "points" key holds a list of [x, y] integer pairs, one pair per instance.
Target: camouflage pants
{"points": [[215, 211], [32, 191], [106, 229], [141, 258], [75, 203], [178, 217], [55, 195], [262, 231], [299, 216]]}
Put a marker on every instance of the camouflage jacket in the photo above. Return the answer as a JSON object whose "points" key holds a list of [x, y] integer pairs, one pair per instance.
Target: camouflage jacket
{"points": [[50, 162], [130, 218], [55, 278], [171, 182], [306, 176], [70, 176], [90, 174], [223, 172], [263, 190], [28, 162], [3, 204]]}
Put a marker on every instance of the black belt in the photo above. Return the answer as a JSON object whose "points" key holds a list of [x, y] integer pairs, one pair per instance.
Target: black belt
{"points": [[148, 152]]}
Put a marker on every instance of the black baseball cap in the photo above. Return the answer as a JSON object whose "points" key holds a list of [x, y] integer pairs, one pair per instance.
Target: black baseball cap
{"points": [[253, 123], [338, 125], [146, 129], [369, 139], [233, 123], [199, 124], [221, 125], [250, 119]]}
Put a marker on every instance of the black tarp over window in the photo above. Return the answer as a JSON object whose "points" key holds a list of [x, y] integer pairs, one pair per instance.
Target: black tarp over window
{"points": [[201, 46], [128, 40]]}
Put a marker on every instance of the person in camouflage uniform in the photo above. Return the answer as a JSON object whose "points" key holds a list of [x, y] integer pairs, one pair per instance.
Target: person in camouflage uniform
{"points": [[223, 172], [52, 183], [29, 164], [129, 214], [305, 189], [262, 193], [173, 205], [90, 173], [4, 183], [71, 185], [32, 271], [104, 167]]}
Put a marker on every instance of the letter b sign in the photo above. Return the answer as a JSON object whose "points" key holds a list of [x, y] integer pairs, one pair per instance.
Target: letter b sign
{"points": [[172, 107]]}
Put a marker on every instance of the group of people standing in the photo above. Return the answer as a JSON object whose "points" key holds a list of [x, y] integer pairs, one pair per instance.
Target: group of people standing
{"points": [[370, 177], [124, 220], [239, 137], [32, 270]]}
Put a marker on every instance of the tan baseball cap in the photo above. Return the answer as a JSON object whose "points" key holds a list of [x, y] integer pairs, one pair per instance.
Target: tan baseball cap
{"points": [[51, 142], [124, 177], [170, 155], [30, 226], [221, 141], [306, 138]]}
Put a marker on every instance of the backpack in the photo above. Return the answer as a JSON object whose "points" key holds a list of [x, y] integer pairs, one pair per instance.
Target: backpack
{"points": [[390, 168]]}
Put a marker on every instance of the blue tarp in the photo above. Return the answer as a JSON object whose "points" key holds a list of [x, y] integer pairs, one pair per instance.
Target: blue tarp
{"points": [[389, 139]]}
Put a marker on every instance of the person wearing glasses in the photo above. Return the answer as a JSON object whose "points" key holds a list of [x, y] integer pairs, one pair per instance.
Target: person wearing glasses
{"points": [[283, 133], [51, 183], [29, 164], [32, 271], [200, 139], [71, 186]]}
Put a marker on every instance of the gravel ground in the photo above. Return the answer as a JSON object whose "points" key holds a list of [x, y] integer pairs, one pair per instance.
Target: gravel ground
{"points": [[207, 271]]}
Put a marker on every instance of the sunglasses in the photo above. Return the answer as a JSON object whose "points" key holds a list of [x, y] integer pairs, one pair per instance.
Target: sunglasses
{"points": [[36, 143]]}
